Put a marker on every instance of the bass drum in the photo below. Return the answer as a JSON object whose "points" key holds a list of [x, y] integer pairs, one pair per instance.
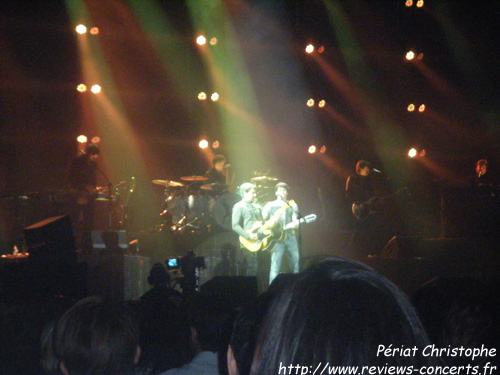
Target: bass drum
{"points": [[176, 208], [223, 209]]}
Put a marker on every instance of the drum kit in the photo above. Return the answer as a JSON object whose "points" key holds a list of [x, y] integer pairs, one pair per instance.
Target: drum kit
{"points": [[195, 206]]}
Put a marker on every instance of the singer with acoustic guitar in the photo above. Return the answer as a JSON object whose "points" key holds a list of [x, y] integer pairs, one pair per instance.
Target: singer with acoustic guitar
{"points": [[288, 221]]}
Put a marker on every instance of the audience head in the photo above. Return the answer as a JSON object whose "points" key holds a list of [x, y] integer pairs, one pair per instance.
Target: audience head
{"points": [[245, 332], [206, 319], [338, 312], [460, 311], [96, 337], [158, 275]]}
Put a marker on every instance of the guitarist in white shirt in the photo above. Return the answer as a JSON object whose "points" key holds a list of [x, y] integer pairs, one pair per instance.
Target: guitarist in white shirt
{"points": [[245, 214], [289, 221]]}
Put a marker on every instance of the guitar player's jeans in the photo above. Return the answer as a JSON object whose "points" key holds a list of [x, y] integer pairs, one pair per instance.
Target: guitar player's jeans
{"points": [[292, 248]]}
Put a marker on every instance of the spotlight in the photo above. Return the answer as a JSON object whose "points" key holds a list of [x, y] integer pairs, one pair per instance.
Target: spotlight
{"points": [[96, 89], [410, 55], [421, 108], [322, 150], [420, 56], [94, 30], [409, 3], [214, 97], [96, 140], [412, 153], [202, 96], [215, 144], [321, 49], [201, 40], [420, 3], [309, 48], [423, 153], [81, 139], [81, 29], [321, 103], [203, 144], [312, 149], [81, 87], [213, 41], [310, 103], [411, 107]]}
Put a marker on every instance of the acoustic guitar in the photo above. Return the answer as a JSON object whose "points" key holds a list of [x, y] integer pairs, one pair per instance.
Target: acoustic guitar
{"points": [[268, 232]]}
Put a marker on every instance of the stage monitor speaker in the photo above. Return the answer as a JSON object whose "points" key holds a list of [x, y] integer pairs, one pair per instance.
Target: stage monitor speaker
{"points": [[110, 240], [403, 247], [52, 263], [233, 290], [51, 238]]}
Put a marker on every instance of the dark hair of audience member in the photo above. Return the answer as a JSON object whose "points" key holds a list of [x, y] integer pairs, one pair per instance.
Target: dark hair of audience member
{"points": [[207, 317], [246, 330], [338, 312], [226, 331], [97, 337], [460, 312]]}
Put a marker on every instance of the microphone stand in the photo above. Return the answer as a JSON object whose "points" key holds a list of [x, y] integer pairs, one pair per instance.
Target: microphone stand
{"points": [[299, 234], [110, 188]]}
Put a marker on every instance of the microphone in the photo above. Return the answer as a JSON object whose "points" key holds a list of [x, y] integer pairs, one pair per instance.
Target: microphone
{"points": [[376, 170], [479, 174]]}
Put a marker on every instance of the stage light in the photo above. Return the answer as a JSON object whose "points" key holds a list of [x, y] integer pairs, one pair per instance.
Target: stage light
{"points": [[94, 30], [420, 56], [420, 3], [321, 49], [96, 140], [96, 89], [322, 150], [215, 144], [410, 55], [423, 153], [81, 29], [310, 103], [213, 41], [202, 96], [309, 48], [81, 139], [412, 153], [321, 103], [411, 107], [201, 40], [203, 144], [421, 108], [81, 87], [312, 149], [214, 97], [409, 3]]}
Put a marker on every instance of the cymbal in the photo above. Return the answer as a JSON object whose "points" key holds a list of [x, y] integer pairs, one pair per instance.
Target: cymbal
{"points": [[264, 179], [168, 183], [214, 186], [194, 178]]}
